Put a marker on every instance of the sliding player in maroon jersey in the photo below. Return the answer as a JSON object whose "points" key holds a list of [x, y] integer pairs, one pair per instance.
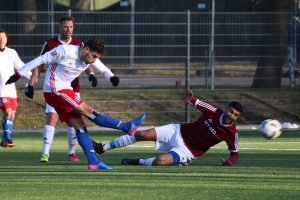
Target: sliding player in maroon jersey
{"points": [[185, 142]]}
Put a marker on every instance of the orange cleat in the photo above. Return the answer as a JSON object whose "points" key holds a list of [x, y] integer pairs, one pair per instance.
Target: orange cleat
{"points": [[7, 143]]}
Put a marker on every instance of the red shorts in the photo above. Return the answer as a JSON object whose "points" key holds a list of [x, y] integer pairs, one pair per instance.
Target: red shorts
{"points": [[64, 102], [7, 102]]}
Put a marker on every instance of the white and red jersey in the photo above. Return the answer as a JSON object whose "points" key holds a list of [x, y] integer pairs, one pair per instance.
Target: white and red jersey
{"points": [[56, 41], [9, 61], [64, 66], [208, 130]]}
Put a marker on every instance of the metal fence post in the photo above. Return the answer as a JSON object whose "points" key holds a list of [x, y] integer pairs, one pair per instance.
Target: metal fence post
{"points": [[132, 36], [51, 15], [188, 62], [294, 60], [212, 46]]}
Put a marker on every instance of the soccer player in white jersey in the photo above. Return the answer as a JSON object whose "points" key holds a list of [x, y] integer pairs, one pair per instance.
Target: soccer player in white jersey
{"points": [[65, 27], [10, 61], [67, 62]]}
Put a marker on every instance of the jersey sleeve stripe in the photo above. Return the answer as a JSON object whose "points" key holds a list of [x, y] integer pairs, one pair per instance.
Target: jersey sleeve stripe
{"points": [[205, 105]]}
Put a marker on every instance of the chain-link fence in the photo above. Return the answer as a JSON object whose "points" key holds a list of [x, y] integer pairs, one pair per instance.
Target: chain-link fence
{"points": [[157, 55]]}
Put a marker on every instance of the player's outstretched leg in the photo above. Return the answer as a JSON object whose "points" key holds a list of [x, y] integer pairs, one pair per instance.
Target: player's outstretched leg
{"points": [[130, 161], [118, 142], [128, 127], [138, 161], [87, 146]]}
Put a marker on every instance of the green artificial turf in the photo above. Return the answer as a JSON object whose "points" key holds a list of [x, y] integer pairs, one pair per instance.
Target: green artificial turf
{"points": [[267, 169]]}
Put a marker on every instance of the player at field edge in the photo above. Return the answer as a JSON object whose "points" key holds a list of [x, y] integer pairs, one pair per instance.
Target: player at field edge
{"points": [[185, 142], [67, 62], [65, 37], [10, 61]]}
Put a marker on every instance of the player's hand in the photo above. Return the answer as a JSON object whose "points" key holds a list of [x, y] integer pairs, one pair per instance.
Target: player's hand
{"points": [[226, 162], [114, 81], [13, 78], [29, 91], [187, 97], [93, 79]]}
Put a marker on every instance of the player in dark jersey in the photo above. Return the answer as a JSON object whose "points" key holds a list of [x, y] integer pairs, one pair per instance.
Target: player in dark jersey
{"points": [[185, 142]]}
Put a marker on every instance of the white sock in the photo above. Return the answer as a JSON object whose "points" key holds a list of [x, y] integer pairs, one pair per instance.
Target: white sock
{"points": [[147, 161], [71, 134], [121, 141], [48, 134]]}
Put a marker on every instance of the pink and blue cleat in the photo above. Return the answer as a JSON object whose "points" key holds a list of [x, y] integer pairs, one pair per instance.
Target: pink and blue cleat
{"points": [[135, 123], [100, 165]]}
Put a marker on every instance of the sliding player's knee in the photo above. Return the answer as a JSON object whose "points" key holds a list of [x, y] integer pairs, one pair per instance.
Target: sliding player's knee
{"points": [[145, 135], [139, 136]]}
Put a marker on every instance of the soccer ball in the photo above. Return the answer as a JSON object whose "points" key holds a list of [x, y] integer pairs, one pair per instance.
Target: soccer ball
{"points": [[270, 128]]}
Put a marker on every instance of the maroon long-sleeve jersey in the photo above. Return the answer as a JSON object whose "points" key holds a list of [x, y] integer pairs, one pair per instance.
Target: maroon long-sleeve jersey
{"points": [[209, 130]]}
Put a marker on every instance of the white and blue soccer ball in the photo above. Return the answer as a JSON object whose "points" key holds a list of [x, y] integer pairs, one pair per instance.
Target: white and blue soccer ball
{"points": [[270, 128]]}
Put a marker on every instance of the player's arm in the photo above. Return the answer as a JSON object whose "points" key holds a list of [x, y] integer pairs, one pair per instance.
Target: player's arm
{"points": [[28, 67], [190, 99], [29, 90], [18, 63], [106, 73], [92, 78], [234, 154]]}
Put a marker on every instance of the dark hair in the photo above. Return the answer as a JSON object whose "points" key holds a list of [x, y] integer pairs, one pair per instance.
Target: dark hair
{"points": [[66, 18], [95, 44], [3, 31], [237, 105]]}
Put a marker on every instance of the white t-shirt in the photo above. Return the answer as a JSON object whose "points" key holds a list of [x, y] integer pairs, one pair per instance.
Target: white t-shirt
{"points": [[64, 66], [9, 61]]}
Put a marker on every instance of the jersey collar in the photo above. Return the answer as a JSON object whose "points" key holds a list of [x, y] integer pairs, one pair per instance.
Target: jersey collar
{"points": [[63, 42]]}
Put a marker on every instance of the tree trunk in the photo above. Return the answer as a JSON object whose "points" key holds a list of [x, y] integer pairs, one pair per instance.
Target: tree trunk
{"points": [[273, 50]]}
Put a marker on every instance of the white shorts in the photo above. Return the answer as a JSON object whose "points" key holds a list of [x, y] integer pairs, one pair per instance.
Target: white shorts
{"points": [[50, 109], [169, 139]]}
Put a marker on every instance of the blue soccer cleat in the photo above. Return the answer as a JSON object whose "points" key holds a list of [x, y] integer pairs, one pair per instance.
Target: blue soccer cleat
{"points": [[100, 165], [135, 123]]}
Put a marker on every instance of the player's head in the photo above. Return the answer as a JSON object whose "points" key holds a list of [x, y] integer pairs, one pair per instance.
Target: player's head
{"points": [[3, 38], [92, 49], [233, 112], [66, 27]]}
